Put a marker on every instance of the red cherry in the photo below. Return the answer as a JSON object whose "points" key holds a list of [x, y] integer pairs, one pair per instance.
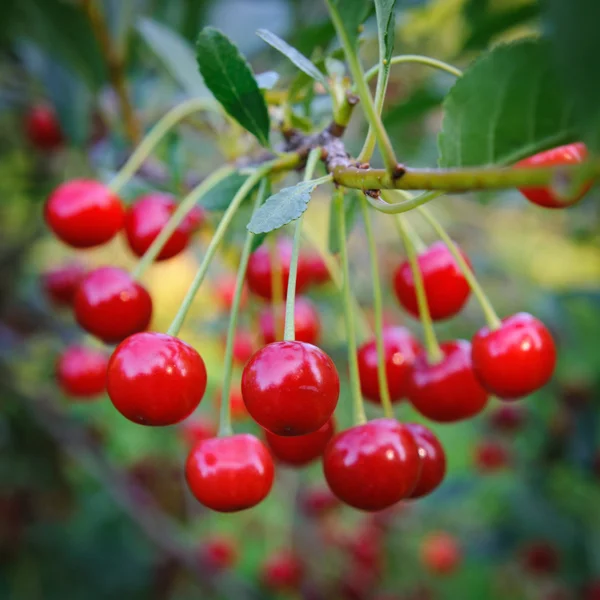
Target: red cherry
{"points": [[516, 359], [290, 388], [81, 372], [300, 450], [445, 285], [318, 501], [317, 269], [306, 322], [433, 460], [258, 274], [490, 456], [237, 406], [224, 291], [155, 379], [147, 218], [84, 213], [400, 349], [507, 418], [282, 572], [440, 553], [61, 283], [540, 558], [366, 549], [243, 346], [372, 466], [111, 305], [446, 391], [219, 553], [196, 429], [230, 474], [42, 128], [570, 154]]}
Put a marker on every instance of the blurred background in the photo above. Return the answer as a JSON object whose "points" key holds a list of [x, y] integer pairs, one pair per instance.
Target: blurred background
{"points": [[94, 507]]}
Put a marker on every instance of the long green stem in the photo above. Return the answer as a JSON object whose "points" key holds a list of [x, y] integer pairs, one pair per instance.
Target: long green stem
{"points": [[289, 329], [177, 217], [486, 306], [166, 123], [389, 207], [415, 238], [384, 390], [215, 243], [415, 58], [359, 410], [362, 89], [225, 416], [434, 352]]}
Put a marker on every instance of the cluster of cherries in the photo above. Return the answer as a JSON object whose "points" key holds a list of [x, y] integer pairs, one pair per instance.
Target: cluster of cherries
{"points": [[290, 388]]}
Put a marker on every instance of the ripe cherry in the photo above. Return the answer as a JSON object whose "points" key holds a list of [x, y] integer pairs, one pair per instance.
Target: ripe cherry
{"points": [[259, 273], [490, 456], [318, 501], [446, 391], [148, 216], [440, 553], [516, 359], [400, 349], [282, 572], [42, 128], [219, 552], [306, 322], [540, 558], [155, 379], [224, 290], [196, 429], [243, 346], [61, 283], [81, 372], [300, 450], [290, 388], [84, 213], [570, 154], [372, 466], [445, 285], [433, 460], [507, 418], [230, 473], [317, 269], [111, 305]]}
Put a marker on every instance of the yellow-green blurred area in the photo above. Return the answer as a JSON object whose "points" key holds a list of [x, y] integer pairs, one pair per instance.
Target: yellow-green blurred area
{"points": [[95, 507]]}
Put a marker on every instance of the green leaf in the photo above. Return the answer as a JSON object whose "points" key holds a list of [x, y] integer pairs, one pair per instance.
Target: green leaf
{"points": [[384, 9], [257, 241], [284, 207], [576, 47], [353, 14], [176, 54], [296, 57], [351, 205], [220, 197], [508, 105], [229, 77]]}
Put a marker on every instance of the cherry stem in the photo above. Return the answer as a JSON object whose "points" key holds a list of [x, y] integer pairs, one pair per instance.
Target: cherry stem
{"points": [[490, 314], [434, 352], [382, 379], [276, 287], [182, 210], [215, 243], [409, 202], [289, 330], [225, 427], [415, 58], [148, 144], [362, 89], [415, 238], [359, 410]]}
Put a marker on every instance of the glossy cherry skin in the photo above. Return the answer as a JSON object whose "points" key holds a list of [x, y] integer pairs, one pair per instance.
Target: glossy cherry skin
{"points": [[515, 360], [42, 128], [228, 474], [146, 219], [282, 572], [61, 283], [307, 324], [433, 460], [258, 274], [290, 388], [447, 391], [155, 379], [84, 213], [400, 349], [111, 305], [219, 553], [196, 429], [440, 553], [372, 466], [300, 450], [490, 456], [224, 291], [81, 372], [446, 287], [570, 154]]}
